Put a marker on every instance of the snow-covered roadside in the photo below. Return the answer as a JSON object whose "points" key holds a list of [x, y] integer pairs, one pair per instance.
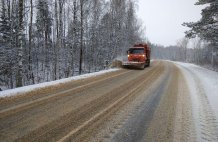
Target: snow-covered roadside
{"points": [[203, 88], [25, 89], [208, 80]]}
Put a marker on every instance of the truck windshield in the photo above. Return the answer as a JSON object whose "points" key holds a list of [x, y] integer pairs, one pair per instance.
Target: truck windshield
{"points": [[136, 50]]}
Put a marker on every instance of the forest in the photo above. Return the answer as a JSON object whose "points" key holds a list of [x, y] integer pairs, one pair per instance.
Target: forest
{"points": [[45, 40]]}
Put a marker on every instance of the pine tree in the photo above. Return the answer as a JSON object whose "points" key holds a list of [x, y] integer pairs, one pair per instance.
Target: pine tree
{"points": [[43, 20], [43, 24], [207, 27]]}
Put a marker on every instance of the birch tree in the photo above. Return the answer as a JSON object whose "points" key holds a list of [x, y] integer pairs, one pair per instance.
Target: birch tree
{"points": [[19, 82], [30, 68]]}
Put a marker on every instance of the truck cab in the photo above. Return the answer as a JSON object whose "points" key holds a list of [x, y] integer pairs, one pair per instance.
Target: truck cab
{"points": [[138, 56]]}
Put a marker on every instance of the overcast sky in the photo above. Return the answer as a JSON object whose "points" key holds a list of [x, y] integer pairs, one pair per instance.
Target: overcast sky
{"points": [[163, 19]]}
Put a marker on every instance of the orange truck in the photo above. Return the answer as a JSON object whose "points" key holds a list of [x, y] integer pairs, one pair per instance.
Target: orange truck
{"points": [[138, 56]]}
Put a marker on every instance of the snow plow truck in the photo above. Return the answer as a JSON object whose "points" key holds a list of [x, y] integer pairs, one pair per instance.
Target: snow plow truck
{"points": [[138, 56]]}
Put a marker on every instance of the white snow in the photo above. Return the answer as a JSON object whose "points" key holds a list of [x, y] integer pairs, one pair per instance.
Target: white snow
{"points": [[25, 89], [208, 80]]}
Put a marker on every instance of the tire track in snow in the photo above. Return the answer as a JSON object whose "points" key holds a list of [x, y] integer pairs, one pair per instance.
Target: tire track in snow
{"points": [[51, 97], [204, 117], [184, 124]]}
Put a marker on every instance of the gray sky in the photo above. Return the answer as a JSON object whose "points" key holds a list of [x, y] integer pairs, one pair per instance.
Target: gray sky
{"points": [[163, 19]]}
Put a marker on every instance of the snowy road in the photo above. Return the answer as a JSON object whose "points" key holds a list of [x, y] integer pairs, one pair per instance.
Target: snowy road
{"points": [[203, 87], [165, 102]]}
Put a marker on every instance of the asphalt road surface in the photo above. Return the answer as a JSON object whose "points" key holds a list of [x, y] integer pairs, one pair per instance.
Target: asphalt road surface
{"points": [[127, 105]]}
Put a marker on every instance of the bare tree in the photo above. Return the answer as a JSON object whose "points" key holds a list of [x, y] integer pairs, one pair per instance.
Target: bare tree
{"points": [[30, 68], [81, 36], [20, 51], [183, 44], [60, 38]]}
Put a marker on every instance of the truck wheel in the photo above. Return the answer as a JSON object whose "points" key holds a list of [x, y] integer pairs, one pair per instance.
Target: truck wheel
{"points": [[148, 64]]}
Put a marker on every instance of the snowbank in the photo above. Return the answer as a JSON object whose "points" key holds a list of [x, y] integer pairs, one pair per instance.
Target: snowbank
{"points": [[25, 89]]}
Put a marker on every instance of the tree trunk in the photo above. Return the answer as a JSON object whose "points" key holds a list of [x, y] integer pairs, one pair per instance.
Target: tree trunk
{"points": [[81, 37], [19, 82], [56, 68], [31, 76], [212, 59]]}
